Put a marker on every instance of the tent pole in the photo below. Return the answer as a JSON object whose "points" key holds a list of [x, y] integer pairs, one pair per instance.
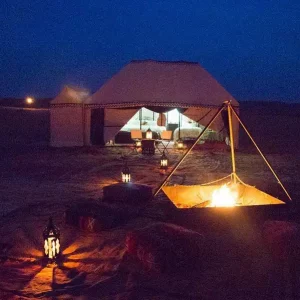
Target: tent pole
{"points": [[179, 125], [189, 150], [262, 155], [231, 141], [141, 116], [83, 125]]}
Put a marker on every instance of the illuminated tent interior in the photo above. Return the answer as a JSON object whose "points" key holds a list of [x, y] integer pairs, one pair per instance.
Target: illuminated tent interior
{"points": [[183, 127], [234, 192]]}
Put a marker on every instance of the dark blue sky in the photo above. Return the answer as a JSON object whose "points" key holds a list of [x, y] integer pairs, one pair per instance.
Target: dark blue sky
{"points": [[251, 47]]}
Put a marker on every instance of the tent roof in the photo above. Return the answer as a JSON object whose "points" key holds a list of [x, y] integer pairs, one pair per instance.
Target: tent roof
{"points": [[157, 83], [71, 95]]}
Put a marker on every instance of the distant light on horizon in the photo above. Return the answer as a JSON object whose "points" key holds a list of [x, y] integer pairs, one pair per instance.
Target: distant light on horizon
{"points": [[29, 100]]}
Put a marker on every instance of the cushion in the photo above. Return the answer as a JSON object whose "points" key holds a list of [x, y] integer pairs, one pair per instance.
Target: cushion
{"points": [[128, 193], [164, 247], [95, 217]]}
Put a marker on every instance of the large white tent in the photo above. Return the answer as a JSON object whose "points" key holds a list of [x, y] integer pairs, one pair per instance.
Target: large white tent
{"points": [[159, 86]]}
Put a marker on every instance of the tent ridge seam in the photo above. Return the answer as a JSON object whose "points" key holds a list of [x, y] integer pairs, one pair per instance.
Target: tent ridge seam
{"points": [[130, 104]]}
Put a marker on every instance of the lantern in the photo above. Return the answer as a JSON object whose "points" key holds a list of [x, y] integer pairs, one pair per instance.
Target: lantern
{"points": [[29, 100], [138, 143], [125, 174], [179, 144], [149, 134], [51, 236], [164, 161]]}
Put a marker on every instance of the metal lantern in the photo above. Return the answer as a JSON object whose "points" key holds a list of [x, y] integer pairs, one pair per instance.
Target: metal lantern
{"points": [[125, 174], [51, 236], [149, 134], [164, 161], [138, 143], [180, 144]]}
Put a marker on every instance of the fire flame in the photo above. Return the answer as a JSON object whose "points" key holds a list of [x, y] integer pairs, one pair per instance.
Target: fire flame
{"points": [[224, 197]]}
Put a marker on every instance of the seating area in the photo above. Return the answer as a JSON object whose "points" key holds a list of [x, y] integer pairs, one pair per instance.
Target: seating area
{"points": [[166, 130], [124, 137], [165, 139]]}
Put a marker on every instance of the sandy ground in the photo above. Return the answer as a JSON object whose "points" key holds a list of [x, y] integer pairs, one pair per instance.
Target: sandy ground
{"points": [[37, 181], [59, 175], [44, 181]]}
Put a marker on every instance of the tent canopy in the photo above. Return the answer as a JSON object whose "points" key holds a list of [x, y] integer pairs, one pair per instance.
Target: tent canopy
{"points": [[160, 85], [157, 83], [71, 95]]}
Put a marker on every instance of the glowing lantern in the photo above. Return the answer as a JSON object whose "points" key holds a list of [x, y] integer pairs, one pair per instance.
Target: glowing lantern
{"points": [[224, 197], [51, 236], [125, 174], [138, 143], [29, 100], [149, 134], [164, 161], [179, 144]]}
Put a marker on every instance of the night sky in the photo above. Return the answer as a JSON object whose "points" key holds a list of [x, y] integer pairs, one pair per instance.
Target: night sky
{"points": [[251, 47]]}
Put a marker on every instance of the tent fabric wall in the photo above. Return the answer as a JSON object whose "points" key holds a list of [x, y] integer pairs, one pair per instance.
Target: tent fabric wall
{"points": [[67, 118], [67, 126], [87, 127], [115, 119], [203, 115]]}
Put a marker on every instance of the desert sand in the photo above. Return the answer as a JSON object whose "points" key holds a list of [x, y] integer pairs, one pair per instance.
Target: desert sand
{"points": [[37, 181]]}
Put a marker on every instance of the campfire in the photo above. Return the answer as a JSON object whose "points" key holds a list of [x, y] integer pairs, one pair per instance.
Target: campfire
{"points": [[224, 196], [234, 193]]}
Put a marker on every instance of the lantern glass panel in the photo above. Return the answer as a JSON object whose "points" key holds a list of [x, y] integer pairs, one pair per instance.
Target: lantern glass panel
{"points": [[51, 237], [164, 161], [125, 174], [125, 177], [179, 144]]}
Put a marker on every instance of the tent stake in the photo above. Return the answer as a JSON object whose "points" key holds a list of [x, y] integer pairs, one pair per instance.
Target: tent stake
{"points": [[189, 150], [262, 155]]}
